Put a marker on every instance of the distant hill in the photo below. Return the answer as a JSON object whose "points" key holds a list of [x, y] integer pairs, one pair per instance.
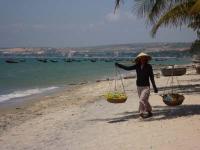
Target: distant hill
{"points": [[138, 47], [134, 47]]}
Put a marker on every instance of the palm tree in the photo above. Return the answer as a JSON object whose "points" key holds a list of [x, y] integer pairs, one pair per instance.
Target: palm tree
{"points": [[168, 12]]}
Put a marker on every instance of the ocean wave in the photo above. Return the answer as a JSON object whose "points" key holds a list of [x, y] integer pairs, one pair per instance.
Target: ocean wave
{"points": [[29, 92]]}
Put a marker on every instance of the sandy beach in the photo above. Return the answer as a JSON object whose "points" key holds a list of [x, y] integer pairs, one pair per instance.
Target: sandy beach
{"points": [[80, 118]]}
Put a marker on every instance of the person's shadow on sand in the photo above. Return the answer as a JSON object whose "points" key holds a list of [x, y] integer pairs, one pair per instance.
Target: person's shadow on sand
{"points": [[163, 112], [160, 113]]}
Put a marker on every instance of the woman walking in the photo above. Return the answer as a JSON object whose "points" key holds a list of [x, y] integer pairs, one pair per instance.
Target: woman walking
{"points": [[144, 73]]}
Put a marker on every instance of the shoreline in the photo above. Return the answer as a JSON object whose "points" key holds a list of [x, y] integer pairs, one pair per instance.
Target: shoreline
{"points": [[77, 114], [28, 102], [61, 89], [16, 101], [33, 106], [81, 115]]}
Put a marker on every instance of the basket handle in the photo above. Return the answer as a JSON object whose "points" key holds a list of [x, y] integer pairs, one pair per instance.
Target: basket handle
{"points": [[121, 79]]}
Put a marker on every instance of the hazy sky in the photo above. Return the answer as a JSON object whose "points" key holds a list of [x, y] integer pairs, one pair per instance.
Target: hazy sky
{"points": [[68, 23]]}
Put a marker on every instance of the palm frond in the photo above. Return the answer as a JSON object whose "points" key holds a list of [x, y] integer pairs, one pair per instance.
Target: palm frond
{"points": [[168, 12], [143, 7], [155, 12], [177, 16], [195, 23], [196, 8], [160, 7], [154, 8]]}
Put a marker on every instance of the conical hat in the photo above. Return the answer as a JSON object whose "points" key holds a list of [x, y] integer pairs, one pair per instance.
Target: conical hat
{"points": [[142, 55]]}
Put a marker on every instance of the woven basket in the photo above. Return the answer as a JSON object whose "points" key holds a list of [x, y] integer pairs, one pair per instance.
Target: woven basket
{"points": [[173, 71], [173, 99], [115, 98]]}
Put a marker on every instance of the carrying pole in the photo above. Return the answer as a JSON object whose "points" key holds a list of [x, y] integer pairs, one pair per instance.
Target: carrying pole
{"points": [[115, 78], [172, 78]]}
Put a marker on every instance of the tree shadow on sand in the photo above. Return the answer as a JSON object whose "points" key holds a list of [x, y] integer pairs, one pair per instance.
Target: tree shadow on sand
{"points": [[160, 113], [185, 89]]}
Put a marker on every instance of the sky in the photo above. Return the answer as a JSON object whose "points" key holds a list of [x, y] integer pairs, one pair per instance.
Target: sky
{"points": [[77, 23]]}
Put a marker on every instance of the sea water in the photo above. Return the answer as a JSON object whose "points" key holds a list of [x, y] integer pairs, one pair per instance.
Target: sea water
{"points": [[32, 77]]}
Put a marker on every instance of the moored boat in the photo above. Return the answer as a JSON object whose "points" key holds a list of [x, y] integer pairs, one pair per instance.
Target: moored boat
{"points": [[93, 60], [53, 60], [42, 60], [11, 61]]}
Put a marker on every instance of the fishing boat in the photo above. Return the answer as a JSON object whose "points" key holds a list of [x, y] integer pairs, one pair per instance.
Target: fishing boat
{"points": [[173, 71], [42, 60], [11, 61], [53, 60], [93, 60]]}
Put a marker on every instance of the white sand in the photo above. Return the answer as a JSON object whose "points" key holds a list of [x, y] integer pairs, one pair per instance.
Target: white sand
{"points": [[78, 121]]}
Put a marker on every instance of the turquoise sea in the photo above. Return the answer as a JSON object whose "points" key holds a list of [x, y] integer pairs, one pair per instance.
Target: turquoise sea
{"points": [[31, 77]]}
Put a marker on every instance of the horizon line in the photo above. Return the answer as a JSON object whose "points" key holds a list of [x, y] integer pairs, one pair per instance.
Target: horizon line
{"points": [[95, 45]]}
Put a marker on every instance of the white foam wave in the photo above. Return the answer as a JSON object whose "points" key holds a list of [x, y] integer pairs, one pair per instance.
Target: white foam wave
{"points": [[18, 94]]}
